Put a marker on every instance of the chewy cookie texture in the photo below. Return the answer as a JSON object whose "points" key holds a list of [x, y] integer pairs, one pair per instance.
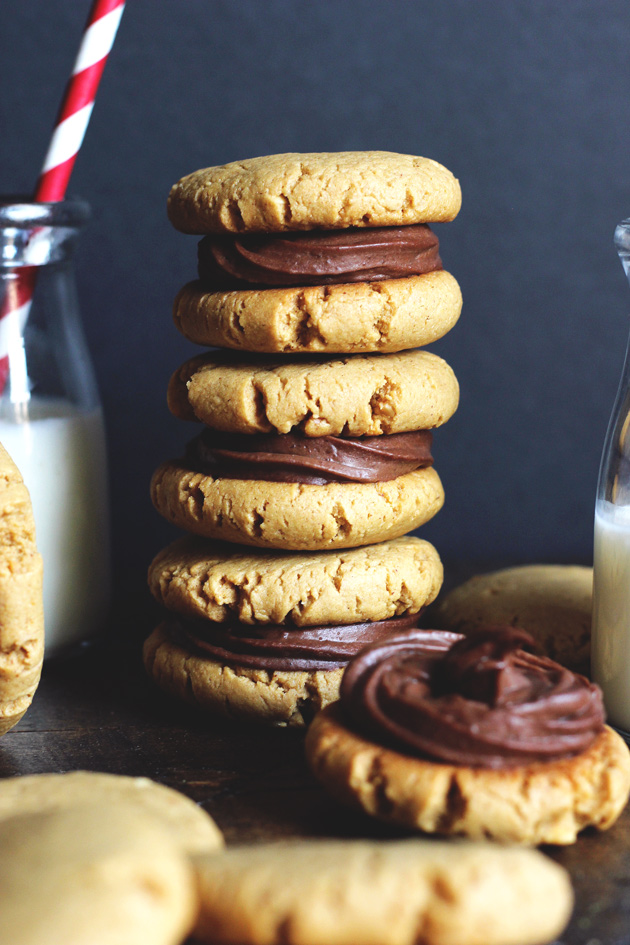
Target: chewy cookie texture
{"points": [[387, 893], [471, 735], [365, 395], [392, 315], [322, 271], [93, 873], [308, 191], [530, 804], [21, 603], [200, 578], [293, 516]]}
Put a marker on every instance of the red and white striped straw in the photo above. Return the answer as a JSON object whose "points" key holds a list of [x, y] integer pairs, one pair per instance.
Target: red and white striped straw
{"points": [[72, 121]]}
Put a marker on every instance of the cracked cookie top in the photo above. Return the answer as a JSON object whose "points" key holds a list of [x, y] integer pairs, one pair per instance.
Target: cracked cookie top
{"points": [[325, 190], [198, 577], [356, 395]]}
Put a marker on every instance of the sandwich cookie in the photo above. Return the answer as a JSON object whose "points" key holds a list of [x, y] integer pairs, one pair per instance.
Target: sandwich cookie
{"points": [[266, 638], [188, 824], [381, 893], [91, 874], [471, 735], [21, 602], [553, 603], [347, 461], [351, 226]]}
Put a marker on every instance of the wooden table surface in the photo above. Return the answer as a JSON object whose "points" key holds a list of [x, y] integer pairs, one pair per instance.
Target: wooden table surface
{"points": [[98, 711]]}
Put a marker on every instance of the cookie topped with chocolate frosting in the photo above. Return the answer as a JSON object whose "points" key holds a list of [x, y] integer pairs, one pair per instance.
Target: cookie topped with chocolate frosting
{"points": [[483, 700], [474, 736]]}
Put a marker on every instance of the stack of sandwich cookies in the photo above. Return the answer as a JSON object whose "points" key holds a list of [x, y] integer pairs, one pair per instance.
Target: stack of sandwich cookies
{"points": [[324, 257]]}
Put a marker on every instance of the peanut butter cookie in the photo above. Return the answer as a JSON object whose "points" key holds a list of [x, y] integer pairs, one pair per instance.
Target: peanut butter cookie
{"points": [[387, 316], [360, 395], [294, 516], [200, 577], [530, 804], [472, 735], [21, 603], [91, 874], [326, 190], [381, 893]]}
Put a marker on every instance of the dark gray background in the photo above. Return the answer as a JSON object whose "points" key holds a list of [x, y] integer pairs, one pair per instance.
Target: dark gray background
{"points": [[527, 102]]}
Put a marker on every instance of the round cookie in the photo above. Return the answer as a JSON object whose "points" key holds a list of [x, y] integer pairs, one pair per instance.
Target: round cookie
{"points": [[381, 893], [201, 578], [188, 824], [295, 516], [359, 395], [93, 874], [530, 804], [552, 602], [326, 190], [21, 602], [392, 315], [282, 698]]}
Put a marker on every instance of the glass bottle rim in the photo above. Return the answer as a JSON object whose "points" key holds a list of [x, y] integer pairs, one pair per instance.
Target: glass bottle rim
{"points": [[19, 211]]}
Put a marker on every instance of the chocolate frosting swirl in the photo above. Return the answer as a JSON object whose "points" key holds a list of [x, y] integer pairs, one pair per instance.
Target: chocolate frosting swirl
{"points": [[480, 700], [288, 457], [318, 257], [271, 646]]}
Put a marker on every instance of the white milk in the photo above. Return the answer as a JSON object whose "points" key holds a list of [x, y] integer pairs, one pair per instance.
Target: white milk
{"points": [[60, 452], [610, 655]]}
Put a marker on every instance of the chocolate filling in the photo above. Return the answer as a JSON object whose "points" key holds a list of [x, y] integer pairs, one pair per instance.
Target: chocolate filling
{"points": [[480, 700], [288, 457], [271, 647], [318, 257]]}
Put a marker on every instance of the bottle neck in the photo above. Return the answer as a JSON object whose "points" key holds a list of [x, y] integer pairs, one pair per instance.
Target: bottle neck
{"points": [[38, 234]]}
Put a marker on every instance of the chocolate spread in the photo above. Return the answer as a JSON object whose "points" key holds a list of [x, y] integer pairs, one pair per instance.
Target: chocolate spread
{"points": [[480, 700], [318, 257], [288, 457], [269, 646]]}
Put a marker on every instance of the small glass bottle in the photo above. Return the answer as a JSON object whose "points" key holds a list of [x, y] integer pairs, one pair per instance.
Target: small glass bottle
{"points": [[51, 421], [610, 644]]}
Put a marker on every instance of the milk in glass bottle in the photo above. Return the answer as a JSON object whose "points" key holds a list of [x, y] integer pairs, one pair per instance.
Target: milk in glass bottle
{"points": [[610, 657], [51, 421]]}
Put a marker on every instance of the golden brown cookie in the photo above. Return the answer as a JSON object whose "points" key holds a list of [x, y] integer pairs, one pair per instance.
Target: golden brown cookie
{"points": [[552, 602], [326, 190], [282, 698], [91, 874], [295, 516], [190, 826], [387, 316], [381, 893], [535, 803], [21, 604], [360, 395], [199, 577]]}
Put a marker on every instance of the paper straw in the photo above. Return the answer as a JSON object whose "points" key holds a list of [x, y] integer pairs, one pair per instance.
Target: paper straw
{"points": [[72, 121]]}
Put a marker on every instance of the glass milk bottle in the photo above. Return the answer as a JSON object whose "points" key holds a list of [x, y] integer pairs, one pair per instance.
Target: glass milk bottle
{"points": [[610, 655], [51, 421]]}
